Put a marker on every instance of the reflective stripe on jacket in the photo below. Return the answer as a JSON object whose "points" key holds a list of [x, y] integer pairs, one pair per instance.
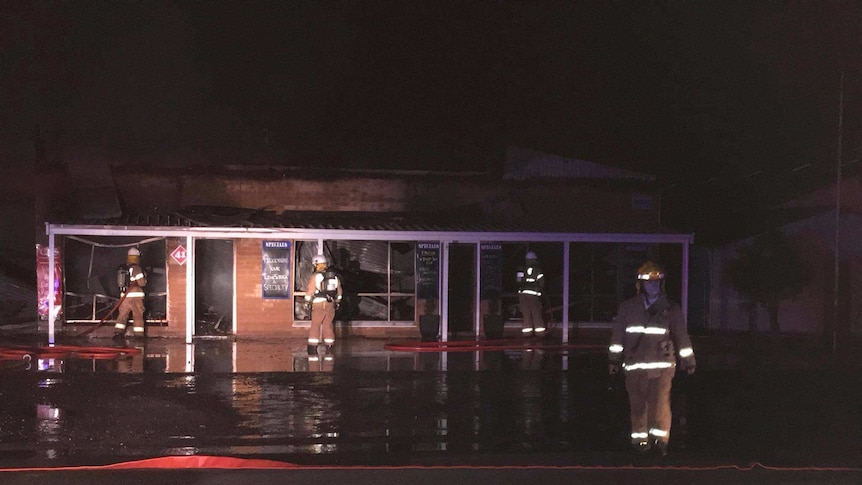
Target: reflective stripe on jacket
{"points": [[648, 338], [137, 280], [530, 280]]}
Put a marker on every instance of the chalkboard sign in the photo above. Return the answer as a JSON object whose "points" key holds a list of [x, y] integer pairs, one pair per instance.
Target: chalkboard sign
{"points": [[428, 270], [276, 269], [492, 270]]}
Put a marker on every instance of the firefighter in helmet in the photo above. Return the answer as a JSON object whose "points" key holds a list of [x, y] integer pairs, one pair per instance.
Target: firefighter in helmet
{"points": [[649, 336], [531, 282], [131, 279], [323, 292]]}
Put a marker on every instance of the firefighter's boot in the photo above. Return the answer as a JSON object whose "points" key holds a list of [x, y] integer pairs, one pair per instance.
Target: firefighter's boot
{"points": [[641, 447], [660, 447]]}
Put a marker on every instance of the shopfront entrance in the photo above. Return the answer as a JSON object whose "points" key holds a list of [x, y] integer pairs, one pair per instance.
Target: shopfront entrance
{"points": [[462, 290], [214, 287]]}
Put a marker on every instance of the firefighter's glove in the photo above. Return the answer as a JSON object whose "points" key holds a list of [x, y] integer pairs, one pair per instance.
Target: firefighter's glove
{"points": [[613, 369]]}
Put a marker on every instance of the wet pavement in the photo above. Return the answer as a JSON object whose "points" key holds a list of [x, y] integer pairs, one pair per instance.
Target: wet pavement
{"points": [[782, 403]]}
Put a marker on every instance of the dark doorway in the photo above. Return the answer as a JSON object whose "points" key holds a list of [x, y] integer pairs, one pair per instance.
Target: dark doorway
{"points": [[462, 290], [213, 287]]}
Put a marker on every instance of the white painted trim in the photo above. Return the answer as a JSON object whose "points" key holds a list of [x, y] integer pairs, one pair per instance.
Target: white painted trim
{"points": [[190, 288], [51, 297], [477, 314], [366, 235], [444, 291], [565, 323]]}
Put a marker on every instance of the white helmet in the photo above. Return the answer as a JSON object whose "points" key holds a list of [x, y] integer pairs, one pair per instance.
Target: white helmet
{"points": [[530, 255], [319, 259], [134, 252]]}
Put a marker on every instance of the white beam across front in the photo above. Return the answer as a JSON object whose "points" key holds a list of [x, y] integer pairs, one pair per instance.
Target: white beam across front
{"points": [[365, 234]]}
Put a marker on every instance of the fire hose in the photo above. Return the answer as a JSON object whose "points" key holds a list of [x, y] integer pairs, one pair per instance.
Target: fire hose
{"points": [[65, 351], [102, 321]]}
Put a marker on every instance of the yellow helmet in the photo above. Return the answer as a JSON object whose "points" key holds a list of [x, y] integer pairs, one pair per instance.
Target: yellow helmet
{"points": [[650, 270]]}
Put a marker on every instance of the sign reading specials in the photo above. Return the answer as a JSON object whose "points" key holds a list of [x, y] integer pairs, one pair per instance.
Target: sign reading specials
{"points": [[428, 270], [276, 269], [492, 270]]}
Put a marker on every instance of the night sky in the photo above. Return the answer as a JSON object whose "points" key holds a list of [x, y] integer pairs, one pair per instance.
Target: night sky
{"points": [[722, 100]]}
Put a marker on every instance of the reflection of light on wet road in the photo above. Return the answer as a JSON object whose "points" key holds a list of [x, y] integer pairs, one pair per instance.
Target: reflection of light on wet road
{"points": [[184, 451], [48, 427], [45, 383]]}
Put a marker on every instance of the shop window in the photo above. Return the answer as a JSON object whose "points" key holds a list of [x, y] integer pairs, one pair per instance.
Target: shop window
{"points": [[90, 271], [378, 279]]}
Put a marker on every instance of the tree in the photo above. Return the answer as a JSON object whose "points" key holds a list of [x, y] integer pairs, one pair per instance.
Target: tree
{"points": [[767, 272]]}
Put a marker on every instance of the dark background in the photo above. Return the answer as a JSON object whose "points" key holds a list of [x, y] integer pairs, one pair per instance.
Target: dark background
{"points": [[733, 105]]}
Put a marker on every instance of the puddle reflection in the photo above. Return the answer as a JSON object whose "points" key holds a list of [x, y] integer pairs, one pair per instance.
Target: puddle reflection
{"points": [[168, 356]]}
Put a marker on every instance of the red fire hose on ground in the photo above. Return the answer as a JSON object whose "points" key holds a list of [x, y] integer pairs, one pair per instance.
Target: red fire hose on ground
{"points": [[65, 352]]}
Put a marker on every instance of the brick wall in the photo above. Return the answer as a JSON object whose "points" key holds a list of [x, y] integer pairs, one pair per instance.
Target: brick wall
{"points": [[371, 194], [256, 315]]}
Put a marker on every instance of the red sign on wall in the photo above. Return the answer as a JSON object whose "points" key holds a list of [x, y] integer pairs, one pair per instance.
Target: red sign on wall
{"points": [[179, 255]]}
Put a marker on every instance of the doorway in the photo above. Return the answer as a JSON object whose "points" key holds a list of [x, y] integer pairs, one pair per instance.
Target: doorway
{"points": [[462, 290], [214, 287]]}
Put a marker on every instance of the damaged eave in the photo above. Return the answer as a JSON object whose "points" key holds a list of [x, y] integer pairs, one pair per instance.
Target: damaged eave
{"points": [[358, 234]]}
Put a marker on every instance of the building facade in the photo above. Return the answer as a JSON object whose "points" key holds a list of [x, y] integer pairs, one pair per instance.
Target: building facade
{"points": [[228, 250]]}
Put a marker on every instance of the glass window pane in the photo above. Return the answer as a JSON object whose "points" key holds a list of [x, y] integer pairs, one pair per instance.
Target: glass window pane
{"points": [[362, 264], [403, 309], [403, 267], [372, 308], [305, 250], [301, 309]]}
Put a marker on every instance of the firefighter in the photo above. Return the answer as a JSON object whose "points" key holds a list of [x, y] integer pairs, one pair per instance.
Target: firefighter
{"points": [[649, 335], [531, 282], [131, 279], [323, 292]]}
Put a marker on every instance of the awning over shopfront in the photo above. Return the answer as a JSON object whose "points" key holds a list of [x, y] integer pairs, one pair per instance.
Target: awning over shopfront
{"points": [[229, 223]]}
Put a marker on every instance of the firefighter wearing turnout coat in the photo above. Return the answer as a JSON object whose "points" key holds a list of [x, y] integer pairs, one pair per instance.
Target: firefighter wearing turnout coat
{"points": [[531, 282], [131, 279], [323, 292], [649, 335]]}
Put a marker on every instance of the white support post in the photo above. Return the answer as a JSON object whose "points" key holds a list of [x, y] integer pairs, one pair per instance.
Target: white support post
{"points": [[685, 273], [444, 292], [190, 288], [566, 277], [233, 304], [477, 315], [51, 272]]}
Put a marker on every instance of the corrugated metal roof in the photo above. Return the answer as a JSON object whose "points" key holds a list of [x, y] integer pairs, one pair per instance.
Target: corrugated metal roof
{"points": [[465, 220], [524, 164]]}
